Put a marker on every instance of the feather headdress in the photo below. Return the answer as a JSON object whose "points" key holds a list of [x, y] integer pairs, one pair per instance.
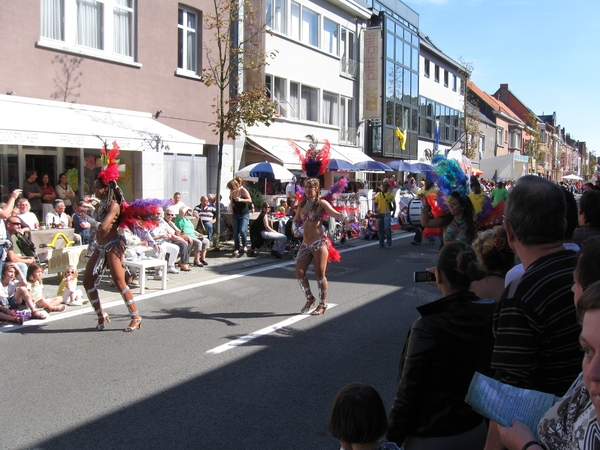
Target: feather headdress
{"points": [[110, 163], [137, 213], [314, 161]]}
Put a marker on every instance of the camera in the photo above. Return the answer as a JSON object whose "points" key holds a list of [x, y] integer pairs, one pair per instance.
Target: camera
{"points": [[424, 276]]}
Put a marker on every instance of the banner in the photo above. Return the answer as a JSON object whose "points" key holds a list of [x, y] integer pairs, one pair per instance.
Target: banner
{"points": [[372, 74], [63, 257]]}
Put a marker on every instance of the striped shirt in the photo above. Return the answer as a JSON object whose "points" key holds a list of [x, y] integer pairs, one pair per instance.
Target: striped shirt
{"points": [[536, 331]]}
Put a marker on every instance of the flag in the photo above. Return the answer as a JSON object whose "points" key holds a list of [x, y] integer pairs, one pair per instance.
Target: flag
{"points": [[401, 135], [436, 148]]}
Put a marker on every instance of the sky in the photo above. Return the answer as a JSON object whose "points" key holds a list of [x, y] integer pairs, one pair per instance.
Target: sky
{"points": [[548, 51]]}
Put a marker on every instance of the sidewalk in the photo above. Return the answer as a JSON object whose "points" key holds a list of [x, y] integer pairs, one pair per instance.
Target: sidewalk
{"points": [[220, 263]]}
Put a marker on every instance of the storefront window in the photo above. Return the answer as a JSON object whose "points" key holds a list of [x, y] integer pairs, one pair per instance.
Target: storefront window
{"points": [[9, 175], [91, 169]]}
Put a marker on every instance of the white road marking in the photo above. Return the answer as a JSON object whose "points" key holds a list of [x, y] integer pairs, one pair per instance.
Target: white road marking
{"points": [[237, 342]]}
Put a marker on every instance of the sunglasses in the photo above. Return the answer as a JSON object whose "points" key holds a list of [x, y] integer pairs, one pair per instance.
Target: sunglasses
{"points": [[16, 224], [169, 215]]}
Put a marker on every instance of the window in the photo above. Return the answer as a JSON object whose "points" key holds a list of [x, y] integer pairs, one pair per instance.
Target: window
{"points": [[101, 28], [437, 73], [187, 41], [446, 76], [277, 89], [295, 22], [426, 67], [276, 15], [347, 50], [515, 140], [454, 83], [500, 137], [294, 100], [330, 108], [309, 104], [52, 19], [330, 37], [310, 27], [347, 121]]}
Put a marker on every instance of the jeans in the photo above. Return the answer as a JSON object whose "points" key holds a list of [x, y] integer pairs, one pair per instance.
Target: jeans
{"points": [[279, 240], [384, 229], [240, 229], [209, 229]]}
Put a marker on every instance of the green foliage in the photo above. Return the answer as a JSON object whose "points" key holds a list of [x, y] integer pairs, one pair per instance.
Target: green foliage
{"points": [[257, 198]]}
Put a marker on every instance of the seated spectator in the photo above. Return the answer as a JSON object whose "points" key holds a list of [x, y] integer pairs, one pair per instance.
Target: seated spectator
{"points": [[81, 221], [165, 232], [176, 200], [267, 232], [58, 218], [206, 214], [282, 206], [498, 258], [195, 239], [589, 217], [370, 231], [162, 234], [449, 342], [35, 287], [358, 419], [404, 222], [67, 289], [140, 244], [28, 218], [13, 291], [179, 238], [13, 252]]}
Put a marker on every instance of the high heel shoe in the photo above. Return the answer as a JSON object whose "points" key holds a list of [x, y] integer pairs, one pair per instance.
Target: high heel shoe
{"points": [[320, 309], [138, 325], [309, 304], [104, 318]]}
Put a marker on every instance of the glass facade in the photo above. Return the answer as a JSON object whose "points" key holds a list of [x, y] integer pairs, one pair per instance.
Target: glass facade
{"points": [[400, 88], [449, 120]]}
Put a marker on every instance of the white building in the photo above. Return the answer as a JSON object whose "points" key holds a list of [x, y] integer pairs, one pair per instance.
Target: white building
{"points": [[314, 79], [441, 99]]}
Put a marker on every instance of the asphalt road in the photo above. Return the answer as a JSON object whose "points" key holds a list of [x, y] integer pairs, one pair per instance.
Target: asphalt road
{"points": [[229, 363]]}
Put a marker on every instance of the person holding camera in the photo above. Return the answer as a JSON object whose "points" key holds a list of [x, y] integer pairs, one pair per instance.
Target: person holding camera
{"points": [[81, 221], [445, 346], [385, 208]]}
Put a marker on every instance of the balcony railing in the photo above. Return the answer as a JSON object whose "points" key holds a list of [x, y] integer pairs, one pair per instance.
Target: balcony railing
{"points": [[349, 67], [347, 135]]}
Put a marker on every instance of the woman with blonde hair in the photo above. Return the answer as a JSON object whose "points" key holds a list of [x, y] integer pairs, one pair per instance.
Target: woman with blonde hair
{"points": [[315, 245], [240, 207]]}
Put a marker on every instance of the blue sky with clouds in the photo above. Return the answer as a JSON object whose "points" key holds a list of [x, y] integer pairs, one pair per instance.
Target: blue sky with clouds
{"points": [[547, 51]]}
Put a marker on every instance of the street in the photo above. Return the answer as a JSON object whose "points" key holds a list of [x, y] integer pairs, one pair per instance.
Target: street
{"points": [[229, 363]]}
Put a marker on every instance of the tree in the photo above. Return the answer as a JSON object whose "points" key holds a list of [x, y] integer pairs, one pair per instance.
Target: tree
{"points": [[533, 147], [469, 123], [227, 57]]}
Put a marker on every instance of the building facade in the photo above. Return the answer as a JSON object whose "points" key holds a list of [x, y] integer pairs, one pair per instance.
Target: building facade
{"points": [[79, 73]]}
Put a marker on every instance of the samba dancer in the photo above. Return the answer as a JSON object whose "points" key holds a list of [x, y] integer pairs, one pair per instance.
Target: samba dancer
{"points": [[110, 244], [315, 245], [308, 221]]}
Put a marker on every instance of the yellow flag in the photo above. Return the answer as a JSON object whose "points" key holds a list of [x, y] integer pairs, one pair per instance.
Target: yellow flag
{"points": [[401, 138]]}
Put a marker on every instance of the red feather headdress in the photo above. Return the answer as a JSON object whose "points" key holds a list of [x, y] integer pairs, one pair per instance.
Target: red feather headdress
{"points": [[110, 164], [314, 162]]}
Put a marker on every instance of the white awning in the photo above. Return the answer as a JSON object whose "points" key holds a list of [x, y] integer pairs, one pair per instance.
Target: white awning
{"points": [[282, 151], [44, 123], [351, 154], [278, 149]]}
